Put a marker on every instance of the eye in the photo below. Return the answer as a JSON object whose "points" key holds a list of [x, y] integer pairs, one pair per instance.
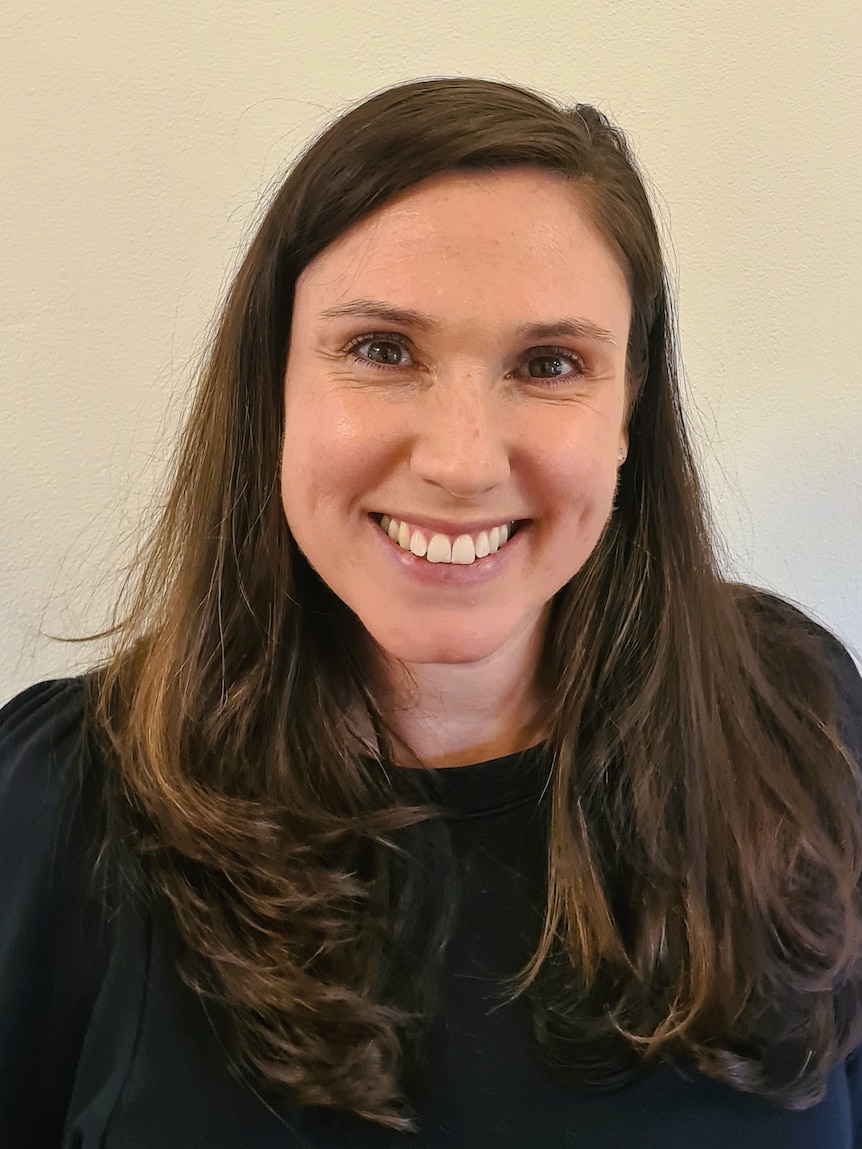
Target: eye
{"points": [[549, 364], [380, 350]]}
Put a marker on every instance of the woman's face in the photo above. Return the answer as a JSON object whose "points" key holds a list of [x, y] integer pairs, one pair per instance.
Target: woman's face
{"points": [[456, 372]]}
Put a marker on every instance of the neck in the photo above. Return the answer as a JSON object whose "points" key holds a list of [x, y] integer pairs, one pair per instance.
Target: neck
{"points": [[456, 714]]}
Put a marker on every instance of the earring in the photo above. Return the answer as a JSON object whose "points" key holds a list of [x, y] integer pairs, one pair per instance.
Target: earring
{"points": [[621, 457]]}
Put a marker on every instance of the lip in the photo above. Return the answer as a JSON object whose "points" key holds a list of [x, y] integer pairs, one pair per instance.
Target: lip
{"points": [[451, 574], [447, 527]]}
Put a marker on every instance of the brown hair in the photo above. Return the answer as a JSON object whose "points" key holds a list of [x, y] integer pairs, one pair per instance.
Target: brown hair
{"points": [[704, 822]]}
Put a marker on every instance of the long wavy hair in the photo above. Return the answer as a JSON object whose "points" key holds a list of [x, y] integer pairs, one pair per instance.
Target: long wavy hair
{"points": [[703, 814]]}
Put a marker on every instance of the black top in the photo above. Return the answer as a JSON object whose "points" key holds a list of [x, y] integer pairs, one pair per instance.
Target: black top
{"points": [[101, 1044]]}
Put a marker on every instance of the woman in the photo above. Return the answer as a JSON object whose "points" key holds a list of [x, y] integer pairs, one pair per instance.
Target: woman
{"points": [[439, 790]]}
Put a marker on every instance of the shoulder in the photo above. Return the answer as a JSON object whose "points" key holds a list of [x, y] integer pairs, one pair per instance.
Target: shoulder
{"points": [[55, 785], [42, 741], [48, 805], [54, 919], [805, 655], [40, 729]]}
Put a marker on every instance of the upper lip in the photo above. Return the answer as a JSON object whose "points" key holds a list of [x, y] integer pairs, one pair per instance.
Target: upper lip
{"points": [[447, 527]]}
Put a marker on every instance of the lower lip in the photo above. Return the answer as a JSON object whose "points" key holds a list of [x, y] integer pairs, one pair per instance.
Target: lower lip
{"points": [[450, 574]]}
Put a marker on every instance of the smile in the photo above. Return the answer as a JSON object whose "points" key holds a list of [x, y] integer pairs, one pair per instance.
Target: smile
{"points": [[461, 550]]}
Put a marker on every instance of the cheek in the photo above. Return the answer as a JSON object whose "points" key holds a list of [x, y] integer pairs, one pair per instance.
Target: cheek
{"points": [[592, 503], [329, 457], [305, 463], [579, 475]]}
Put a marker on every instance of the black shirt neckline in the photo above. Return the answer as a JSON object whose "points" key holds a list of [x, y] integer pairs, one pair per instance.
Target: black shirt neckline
{"points": [[491, 787]]}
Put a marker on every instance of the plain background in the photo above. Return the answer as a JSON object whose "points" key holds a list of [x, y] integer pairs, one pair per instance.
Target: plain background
{"points": [[139, 142]]}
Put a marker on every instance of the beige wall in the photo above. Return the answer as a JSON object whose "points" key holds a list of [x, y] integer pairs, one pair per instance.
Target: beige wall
{"points": [[138, 138]]}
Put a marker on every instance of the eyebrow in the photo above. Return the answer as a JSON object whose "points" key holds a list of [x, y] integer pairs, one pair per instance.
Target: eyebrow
{"points": [[406, 317]]}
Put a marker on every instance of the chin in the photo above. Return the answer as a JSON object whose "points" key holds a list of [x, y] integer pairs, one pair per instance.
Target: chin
{"points": [[442, 654], [455, 646]]}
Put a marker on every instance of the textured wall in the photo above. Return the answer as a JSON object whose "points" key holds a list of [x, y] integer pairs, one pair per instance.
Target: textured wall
{"points": [[138, 140]]}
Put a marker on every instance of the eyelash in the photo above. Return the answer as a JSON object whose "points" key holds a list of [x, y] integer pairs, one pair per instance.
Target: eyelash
{"points": [[534, 353]]}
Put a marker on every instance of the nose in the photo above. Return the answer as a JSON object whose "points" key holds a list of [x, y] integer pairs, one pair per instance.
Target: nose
{"points": [[461, 443]]}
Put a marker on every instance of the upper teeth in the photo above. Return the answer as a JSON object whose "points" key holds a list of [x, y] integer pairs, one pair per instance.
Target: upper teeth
{"points": [[462, 550]]}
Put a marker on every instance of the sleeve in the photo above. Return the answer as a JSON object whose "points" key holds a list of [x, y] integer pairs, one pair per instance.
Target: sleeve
{"points": [[52, 931]]}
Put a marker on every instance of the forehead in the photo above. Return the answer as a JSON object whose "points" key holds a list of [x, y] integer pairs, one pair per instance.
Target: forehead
{"points": [[521, 239]]}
